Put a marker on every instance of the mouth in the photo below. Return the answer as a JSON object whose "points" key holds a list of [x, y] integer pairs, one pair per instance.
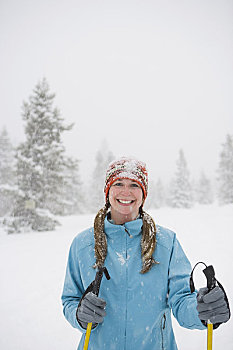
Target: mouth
{"points": [[123, 201]]}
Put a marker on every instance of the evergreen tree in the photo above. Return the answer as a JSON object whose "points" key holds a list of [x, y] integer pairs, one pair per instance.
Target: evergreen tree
{"points": [[180, 190], [204, 192], [7, 174], [73, 195], [225, 172], [96, 195], [40, 163]]}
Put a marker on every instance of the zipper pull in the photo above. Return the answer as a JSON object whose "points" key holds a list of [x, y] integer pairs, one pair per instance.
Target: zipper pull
{"points": [[130, 236]]}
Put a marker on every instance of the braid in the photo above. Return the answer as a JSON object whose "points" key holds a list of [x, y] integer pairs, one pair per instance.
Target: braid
{"points": [[100, 237], [148, 241]]}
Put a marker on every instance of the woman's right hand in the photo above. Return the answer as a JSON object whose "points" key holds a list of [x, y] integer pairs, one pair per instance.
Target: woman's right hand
{"points": [[91, 309]]}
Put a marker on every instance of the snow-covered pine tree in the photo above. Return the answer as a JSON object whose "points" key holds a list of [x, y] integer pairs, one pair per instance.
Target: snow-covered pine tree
{"points": [[96, 191], [8, 189], [180, 189], [40, 163], [74, 202], [225, 172], [204, 192], [7, 171]]}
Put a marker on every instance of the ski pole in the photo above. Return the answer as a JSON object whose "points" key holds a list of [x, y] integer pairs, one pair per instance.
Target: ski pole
{"points": [[88, 333], [211, 283], [209, 335], [95, 290]]}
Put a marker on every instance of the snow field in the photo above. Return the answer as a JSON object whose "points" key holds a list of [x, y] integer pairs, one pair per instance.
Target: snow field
{"points": [[32, 269]]}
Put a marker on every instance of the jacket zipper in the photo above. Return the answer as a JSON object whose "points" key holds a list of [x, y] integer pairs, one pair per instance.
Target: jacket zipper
{"points": [[126, 257], [163, 325], [130, 236]]}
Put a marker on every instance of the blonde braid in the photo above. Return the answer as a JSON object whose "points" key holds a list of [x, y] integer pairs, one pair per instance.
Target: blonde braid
{"points": [[100, 237], [148, 241]]}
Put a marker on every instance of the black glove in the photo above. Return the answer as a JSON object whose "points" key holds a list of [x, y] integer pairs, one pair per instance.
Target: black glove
{"points": [[91, 309], [213, 306]]}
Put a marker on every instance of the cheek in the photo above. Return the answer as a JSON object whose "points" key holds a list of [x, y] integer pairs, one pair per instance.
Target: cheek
{"points": [[139, 199], [112, 194]]}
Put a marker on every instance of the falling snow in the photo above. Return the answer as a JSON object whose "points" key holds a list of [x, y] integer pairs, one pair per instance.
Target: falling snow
{"points": [[31, 282]]}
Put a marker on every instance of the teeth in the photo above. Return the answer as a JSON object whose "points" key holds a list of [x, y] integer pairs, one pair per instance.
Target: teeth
{"points": [[124, 202]]}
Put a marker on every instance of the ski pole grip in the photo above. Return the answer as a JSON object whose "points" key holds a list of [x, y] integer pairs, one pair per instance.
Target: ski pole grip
{"points": [[96, 286], [106, 273], [210, 276], [98, 279]]}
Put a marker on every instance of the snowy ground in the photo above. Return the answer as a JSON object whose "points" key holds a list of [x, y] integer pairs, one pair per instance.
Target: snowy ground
{"points": [[32, 268]]}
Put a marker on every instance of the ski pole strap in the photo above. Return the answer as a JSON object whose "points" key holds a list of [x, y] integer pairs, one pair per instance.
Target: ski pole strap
{"points": [[210, 276], [191, 282]]}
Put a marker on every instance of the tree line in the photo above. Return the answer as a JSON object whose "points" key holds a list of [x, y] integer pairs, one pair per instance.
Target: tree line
{"points": [[39, 182]]}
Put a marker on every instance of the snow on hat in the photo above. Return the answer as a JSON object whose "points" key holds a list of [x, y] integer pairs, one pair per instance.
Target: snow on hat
{"points": [[127, 168]]}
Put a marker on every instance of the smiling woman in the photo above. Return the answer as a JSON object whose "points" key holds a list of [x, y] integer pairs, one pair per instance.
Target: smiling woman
{"points": [[134, 308], [125, 190]]}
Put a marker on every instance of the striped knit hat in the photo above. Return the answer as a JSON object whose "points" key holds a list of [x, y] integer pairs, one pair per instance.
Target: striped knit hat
{"points": [[127, 168]]}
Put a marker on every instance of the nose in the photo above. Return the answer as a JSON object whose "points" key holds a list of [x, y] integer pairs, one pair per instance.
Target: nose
{"points": [[126, 189]]}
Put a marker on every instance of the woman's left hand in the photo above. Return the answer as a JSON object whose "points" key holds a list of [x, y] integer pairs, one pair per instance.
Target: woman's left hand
{"points": [[212, 305]]}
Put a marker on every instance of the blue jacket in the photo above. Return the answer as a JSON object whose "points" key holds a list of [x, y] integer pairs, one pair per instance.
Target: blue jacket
{"points": [[138, 305]]}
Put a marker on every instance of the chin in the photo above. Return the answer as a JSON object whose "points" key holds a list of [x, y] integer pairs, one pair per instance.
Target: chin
{"points": [[129, 212]]}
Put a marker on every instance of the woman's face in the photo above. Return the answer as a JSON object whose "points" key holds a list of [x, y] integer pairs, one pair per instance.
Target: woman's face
{"points": [[125, 197]]}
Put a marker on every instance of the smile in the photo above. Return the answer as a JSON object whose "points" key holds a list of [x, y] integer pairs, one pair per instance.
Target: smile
{"points": [[124, 201]]}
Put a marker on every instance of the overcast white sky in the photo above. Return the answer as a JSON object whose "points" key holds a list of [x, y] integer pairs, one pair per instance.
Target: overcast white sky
{"points": [[150, 77]]}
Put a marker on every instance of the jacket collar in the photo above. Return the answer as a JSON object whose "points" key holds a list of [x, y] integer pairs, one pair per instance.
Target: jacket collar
{"points": [[134, 227]]}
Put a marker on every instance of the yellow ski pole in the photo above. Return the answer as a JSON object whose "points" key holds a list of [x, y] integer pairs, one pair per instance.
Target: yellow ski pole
{"points": [[88, 333], [95, 290], [211, 283], [209, 335]]}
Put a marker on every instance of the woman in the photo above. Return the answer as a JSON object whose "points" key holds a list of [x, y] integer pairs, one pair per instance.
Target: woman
{"points": [[148, 268]]}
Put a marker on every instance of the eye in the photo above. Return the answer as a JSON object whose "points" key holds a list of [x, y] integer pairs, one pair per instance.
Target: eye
{"points": [[135, 185], [118, 184]]}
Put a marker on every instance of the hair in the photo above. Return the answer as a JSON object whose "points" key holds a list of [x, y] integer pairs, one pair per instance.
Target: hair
{"points": [[148, 240]]}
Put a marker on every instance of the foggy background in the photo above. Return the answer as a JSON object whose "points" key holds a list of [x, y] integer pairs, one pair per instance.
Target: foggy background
{"points": [[148, 77], [139, 78]]}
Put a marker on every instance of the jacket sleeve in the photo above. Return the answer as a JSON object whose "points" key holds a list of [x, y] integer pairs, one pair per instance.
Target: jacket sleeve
{"points": [[182, 302], [73, 288]]}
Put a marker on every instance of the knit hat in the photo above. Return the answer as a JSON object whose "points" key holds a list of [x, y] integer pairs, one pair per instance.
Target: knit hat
{"points": [[127, 168]]}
